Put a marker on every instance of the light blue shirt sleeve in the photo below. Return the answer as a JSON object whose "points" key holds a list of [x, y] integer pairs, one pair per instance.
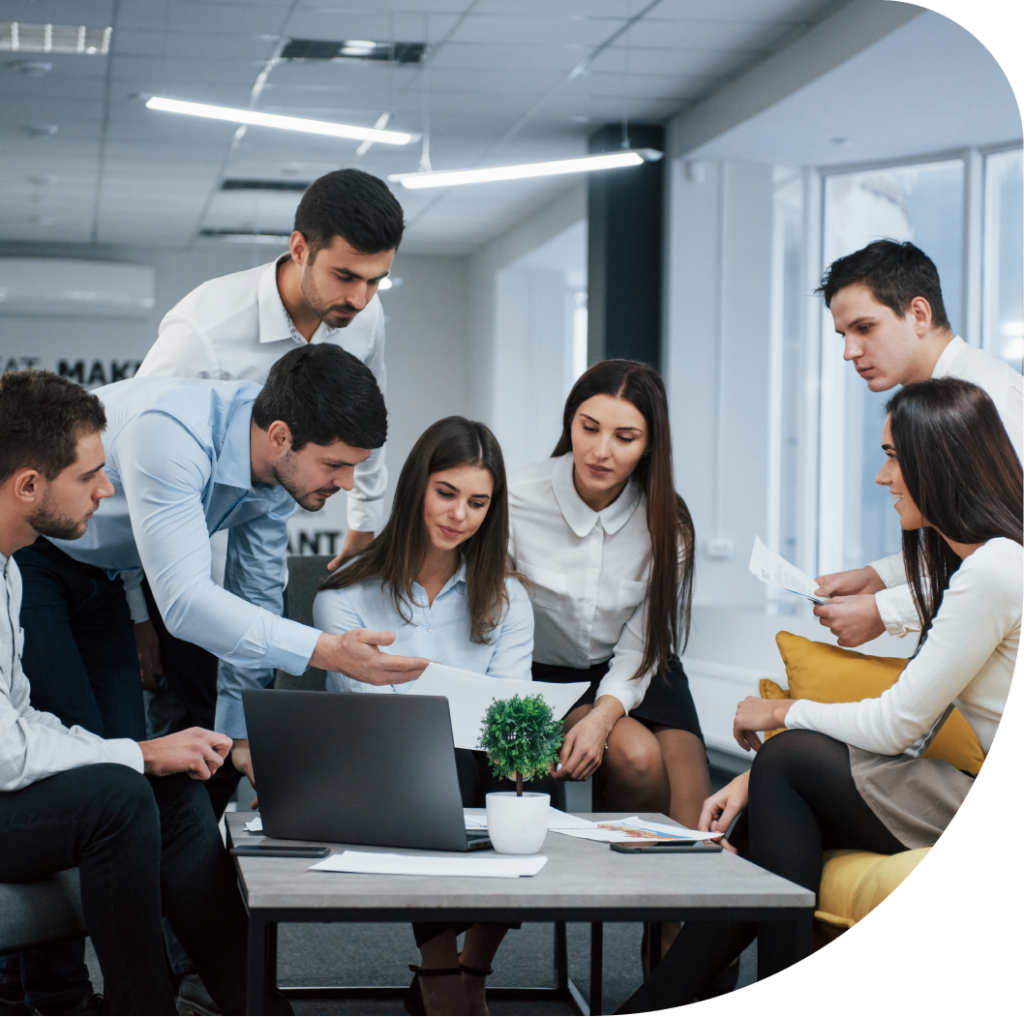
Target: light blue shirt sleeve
{"points": [[255, 571], [513, 649], [163, 484]]}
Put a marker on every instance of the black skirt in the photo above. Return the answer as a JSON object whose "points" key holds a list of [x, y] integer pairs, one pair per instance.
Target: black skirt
{"points": [[668, 702]]}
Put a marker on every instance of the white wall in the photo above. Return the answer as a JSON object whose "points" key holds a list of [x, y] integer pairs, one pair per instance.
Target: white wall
{"points": [[427, 352], [717, 360], [493, 340]]}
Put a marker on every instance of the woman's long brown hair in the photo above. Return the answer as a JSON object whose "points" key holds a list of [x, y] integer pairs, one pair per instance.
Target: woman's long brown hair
{"points": [[396, 555], [670, 587], [962, 471]]}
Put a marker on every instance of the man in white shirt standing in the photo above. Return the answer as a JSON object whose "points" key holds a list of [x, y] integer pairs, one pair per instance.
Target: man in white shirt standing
{"points": [[347, 230], [886, 301], [70, 798]]}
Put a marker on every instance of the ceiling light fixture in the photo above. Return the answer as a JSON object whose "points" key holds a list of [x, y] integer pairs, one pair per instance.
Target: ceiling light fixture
{"points": [[489, 174], [248, 116]]}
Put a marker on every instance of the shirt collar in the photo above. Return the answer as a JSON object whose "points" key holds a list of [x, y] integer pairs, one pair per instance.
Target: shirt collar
{"points": [[580, 516], [459, 577], [275, 322], [234, 466], [949, 354]]}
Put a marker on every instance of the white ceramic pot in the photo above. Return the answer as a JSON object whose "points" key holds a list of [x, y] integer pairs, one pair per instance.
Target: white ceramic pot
{"points": [[517, 825]]}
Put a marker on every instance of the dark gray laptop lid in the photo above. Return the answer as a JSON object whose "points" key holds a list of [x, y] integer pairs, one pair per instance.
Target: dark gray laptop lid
{"points": [[355, 768]]}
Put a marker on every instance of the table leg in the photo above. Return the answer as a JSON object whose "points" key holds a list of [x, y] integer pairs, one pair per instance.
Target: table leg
{"points": [[596, 966], [256, 981], [561, 958], [262, 974]]}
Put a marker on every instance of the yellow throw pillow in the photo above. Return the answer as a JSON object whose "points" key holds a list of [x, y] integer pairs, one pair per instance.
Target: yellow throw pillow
{"points": [[830, 674]]}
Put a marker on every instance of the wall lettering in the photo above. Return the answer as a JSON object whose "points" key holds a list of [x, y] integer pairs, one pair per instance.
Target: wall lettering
{"points": [[312, 544]]}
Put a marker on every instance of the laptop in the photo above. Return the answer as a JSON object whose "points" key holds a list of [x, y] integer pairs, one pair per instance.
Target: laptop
{"points": [[357, 769]]}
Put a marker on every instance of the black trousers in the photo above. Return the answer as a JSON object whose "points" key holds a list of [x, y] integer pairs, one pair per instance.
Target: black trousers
{"points": [[802, 801], [143, 847]]}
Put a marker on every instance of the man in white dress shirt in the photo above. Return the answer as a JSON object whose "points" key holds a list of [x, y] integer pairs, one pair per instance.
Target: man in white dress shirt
{"points": [[347, 230], [71, 798], [886, 301]]}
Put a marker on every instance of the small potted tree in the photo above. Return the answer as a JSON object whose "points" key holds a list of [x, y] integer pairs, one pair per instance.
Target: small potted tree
{"points": [[522, 739]]}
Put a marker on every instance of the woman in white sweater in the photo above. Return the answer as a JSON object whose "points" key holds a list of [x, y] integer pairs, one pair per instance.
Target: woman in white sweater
{"points": [[850, 775]]}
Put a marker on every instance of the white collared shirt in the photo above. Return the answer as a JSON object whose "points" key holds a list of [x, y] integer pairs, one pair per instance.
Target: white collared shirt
{"points": [[236, 328], [1005, 387], [588, 574], [34, 744]]}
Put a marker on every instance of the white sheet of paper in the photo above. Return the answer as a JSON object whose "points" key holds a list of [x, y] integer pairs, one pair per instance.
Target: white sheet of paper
{"points": [[773, 569], [502, 866], [255, 825], [476, 819], [469, 694], [605, 832]]}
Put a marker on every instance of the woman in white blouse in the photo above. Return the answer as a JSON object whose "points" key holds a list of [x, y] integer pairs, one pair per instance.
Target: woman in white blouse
{"points": [[850, 775], [607, 547], [437, 576]]}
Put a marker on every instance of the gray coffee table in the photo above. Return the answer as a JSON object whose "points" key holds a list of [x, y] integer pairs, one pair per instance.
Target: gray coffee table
{"points": [[583, 881]]}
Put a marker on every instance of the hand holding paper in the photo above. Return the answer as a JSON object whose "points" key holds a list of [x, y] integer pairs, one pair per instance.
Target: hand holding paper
{"points": [[773, 569]]}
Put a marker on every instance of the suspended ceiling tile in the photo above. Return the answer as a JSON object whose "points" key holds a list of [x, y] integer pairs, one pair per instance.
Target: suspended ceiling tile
{"points": [[496, 56], [510, 28], [731, 37], [258, 19]]}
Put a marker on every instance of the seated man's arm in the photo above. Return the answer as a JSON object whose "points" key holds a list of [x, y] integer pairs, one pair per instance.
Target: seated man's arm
{"points": [[35, 745]]}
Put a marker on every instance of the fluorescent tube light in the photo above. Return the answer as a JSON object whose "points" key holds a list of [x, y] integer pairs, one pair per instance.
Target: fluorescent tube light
{"points": [[488, 174], [248, 116]]}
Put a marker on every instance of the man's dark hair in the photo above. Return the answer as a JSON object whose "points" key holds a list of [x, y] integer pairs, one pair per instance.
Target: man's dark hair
{"points": [[895, 273], [42, 416], [324, 395], [353, 205]]}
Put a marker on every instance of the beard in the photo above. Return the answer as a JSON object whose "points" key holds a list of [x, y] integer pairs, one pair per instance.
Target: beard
{"points": [[313, 299], [51, 522], [284, 474]]}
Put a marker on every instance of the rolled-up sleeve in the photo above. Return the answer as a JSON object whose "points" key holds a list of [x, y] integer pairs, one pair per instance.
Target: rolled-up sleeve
{"points": [[164, 470], [629, 652], [365, 505]]}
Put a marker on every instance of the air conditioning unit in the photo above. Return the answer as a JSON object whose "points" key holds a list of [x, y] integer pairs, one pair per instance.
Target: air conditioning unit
{"points": [[74, 288]]}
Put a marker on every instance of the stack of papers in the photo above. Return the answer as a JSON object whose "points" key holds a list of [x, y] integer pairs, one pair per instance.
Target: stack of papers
{"points": [[773, 569], [502, 866], [634, 830]]}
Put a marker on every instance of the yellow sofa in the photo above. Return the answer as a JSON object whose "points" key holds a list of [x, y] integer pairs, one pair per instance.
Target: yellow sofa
{"points": [[939, 930]]}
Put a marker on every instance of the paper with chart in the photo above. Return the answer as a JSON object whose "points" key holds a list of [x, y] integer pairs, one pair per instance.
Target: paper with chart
{"points": [[633, 830], [469, 694], [773, 569]]}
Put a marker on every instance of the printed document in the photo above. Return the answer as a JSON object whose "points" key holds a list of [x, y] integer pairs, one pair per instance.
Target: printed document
{"points": [[773, 569], [469, 694], [633, 830], [507, 866]]}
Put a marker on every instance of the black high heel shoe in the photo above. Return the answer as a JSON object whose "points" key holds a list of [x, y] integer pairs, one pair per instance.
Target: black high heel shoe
{"points": [[413, 999]]}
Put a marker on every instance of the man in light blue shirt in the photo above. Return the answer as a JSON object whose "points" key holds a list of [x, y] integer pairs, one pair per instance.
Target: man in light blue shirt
{"points": [[190, 457]]}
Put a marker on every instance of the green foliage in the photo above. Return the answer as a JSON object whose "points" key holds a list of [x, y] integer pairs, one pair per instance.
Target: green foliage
{"points": [[521, 737]]}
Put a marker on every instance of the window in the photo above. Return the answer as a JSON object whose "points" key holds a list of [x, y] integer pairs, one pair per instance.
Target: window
{"points": [[1003, 271], [924, 204]]}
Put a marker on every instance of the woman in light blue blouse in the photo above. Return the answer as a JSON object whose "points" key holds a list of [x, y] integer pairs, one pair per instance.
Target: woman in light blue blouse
{"points": [[437, 576]]}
